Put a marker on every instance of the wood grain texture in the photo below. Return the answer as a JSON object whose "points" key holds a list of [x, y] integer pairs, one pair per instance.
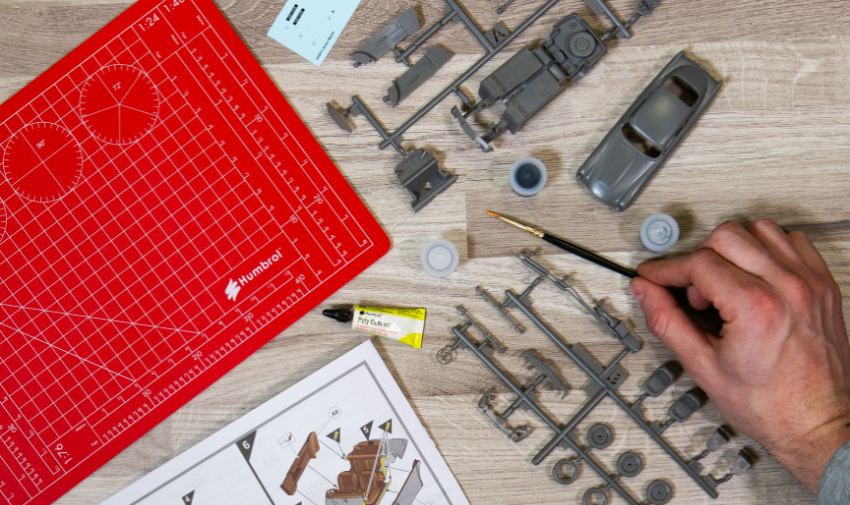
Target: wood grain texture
{"points": [[775, 143]]}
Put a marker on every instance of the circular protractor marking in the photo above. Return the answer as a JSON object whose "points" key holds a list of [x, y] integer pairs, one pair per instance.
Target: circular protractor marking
{"points": [[43, 162], [4, 219], [119, 104]]}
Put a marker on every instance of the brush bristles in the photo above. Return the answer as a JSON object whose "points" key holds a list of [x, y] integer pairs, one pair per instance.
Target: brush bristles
{"points": [[493, 214]]}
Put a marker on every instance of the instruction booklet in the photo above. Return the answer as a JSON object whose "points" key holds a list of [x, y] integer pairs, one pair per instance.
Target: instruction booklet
{"points": [[345, 435]]}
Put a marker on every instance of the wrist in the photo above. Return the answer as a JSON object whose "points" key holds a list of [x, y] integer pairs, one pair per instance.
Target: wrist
{"points": [[807, 456]]}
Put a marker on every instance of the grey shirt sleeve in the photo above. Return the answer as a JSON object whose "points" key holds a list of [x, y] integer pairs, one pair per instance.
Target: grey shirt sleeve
{"points": [[835, 484]]}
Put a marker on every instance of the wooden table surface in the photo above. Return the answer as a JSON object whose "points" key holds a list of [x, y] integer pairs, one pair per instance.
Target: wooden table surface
{"points": [[775, 143]]}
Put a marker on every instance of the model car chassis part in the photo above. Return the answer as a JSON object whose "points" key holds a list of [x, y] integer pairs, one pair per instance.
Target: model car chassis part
{"points": [[648, 133], [537, 74], [308, 451], [604, 383]]}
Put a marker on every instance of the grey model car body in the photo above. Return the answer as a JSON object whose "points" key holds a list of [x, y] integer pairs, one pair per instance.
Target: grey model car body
{"points": [[648, 132]]}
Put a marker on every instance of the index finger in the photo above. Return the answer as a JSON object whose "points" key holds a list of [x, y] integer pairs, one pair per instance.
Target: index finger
{"points": [[726, 286]]}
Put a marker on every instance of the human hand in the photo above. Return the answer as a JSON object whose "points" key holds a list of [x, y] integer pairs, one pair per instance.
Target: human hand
{"points": [[779, 370]]}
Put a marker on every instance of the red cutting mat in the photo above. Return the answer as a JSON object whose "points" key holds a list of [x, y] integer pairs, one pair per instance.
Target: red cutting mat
{"points": [[164, 214]]}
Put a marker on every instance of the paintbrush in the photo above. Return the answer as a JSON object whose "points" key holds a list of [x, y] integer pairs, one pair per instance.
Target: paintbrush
{"points": [[566, 245]]}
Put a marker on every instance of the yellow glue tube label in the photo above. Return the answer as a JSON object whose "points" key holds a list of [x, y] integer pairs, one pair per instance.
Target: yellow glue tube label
{"points": [[403, 325]]}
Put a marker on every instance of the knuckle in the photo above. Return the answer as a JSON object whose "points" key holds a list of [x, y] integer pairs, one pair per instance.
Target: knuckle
{"points": [[798, 289], [765, 303], [725, 231], [763, 224], [705, 258]]}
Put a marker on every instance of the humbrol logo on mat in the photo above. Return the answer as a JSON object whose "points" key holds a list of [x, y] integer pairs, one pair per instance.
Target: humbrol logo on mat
{"points": [[235, 286]]}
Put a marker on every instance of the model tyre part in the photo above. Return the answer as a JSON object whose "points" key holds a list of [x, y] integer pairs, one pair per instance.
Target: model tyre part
{"points": [[528, 177], [565, 472], [582, 44], [594, 496], [659, 232], [630, 464], [600, 436], [659, 492], [440, 258]]}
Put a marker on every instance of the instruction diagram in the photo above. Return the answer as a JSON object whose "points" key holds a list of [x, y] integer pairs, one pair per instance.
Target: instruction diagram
{"points": [[343, 436]]}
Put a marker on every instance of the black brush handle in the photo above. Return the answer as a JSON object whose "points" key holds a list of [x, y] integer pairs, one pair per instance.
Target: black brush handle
{"points": [[589, 255]]}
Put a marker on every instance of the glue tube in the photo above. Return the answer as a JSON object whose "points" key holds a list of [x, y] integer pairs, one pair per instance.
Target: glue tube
{"points": [[399, 324]]}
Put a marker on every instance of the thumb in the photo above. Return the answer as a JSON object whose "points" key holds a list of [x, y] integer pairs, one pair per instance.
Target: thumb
{"points": [[667, 321]]}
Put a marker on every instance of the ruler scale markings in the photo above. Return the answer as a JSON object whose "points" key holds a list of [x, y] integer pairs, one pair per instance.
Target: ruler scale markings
{"points": [[254, 207]]}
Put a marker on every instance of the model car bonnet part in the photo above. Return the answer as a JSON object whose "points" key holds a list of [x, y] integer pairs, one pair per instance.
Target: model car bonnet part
{"points": [[386, 39], [404, 86], [648, 133]]}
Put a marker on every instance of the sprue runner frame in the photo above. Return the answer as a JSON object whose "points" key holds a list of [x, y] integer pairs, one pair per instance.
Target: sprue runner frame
{"points": [[604, 383]]}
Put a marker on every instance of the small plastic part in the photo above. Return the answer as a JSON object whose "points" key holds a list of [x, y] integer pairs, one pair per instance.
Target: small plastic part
{"points": [[659, 233], [485, 405], [718, 439], [565, 472], [594, 496], [440, 258], [421, 174], [662, 378], [386, 39], [659, 492], [600, 436], [630, 464], [424, 69], [544, 371], [528, 177], [687, 404], [743, 464]]}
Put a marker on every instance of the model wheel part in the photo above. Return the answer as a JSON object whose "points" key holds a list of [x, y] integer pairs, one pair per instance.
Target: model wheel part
{"points": [[582, 44], [440, 258], [528, 177], [659, 492], [594, 496], [600, 436], [445, 355], [565, 472], [659, 232], [630, 464]]}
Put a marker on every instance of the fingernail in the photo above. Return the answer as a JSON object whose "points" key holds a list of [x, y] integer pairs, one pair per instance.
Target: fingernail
{"points": [[637, 292]]}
